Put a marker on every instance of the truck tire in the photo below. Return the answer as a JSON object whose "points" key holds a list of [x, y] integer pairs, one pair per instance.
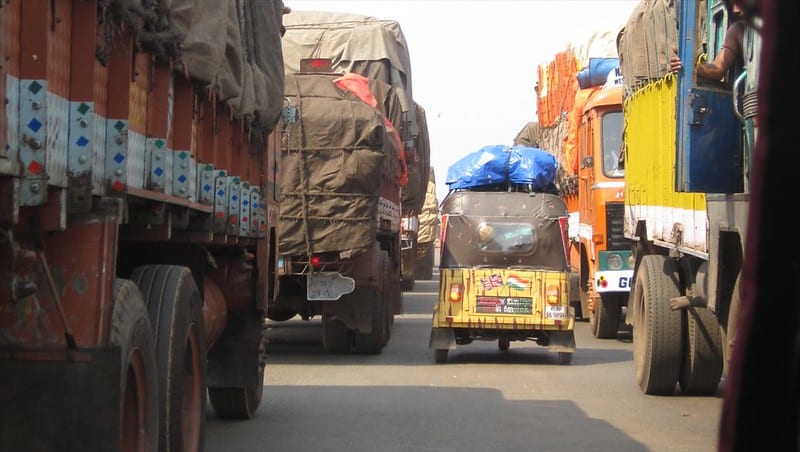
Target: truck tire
{"points": [[174, 307], [657, 335], [131, 332], [373, 342], [336, 337], [702, 357], [280, 314], [240, 402], [729, 327], [604, 320], [440, 355], [425, 265], [408, 282]]}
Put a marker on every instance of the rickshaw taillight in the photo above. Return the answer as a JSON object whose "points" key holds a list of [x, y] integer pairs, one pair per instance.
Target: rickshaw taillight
{"points": [[315, 262], [455, 292], [552, 293]]}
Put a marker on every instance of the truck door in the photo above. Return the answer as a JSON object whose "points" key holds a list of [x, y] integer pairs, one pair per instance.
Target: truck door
{"points": [[586, 170], [709, 132]]}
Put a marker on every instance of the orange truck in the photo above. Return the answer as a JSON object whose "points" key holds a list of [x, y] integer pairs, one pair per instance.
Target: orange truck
{"points": [[579, 108], [138, 206]]}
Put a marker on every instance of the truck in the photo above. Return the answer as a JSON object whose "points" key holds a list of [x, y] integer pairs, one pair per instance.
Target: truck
{"points": [[579, 109], [414, 199], [138, 218], [350, 224], [687, 148], [375, 48], [429, 232]]}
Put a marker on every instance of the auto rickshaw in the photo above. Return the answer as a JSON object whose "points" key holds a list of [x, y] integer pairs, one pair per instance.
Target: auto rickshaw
{"points": [[504, 273]]}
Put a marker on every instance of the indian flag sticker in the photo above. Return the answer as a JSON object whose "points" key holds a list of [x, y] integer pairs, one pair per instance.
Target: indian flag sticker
{"points": [[517, 283]]}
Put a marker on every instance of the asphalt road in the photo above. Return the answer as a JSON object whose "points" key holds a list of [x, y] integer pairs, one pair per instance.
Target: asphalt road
{"points": [[482, 399]]}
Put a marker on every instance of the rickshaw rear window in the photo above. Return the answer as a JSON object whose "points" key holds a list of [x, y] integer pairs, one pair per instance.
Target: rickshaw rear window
{"points": [[505, 238]]}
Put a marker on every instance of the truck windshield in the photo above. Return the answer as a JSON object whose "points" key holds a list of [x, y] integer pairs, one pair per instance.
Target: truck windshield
{"points": [[612, 144]]}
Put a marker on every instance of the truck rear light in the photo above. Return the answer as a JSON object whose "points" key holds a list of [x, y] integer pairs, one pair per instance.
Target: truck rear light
{"points": [[552, 293], [320, 65], [315, 262], [455, 292], [598, 238]]}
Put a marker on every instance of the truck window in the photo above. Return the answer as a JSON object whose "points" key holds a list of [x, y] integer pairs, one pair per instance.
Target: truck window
{"points": [[612, 144]]}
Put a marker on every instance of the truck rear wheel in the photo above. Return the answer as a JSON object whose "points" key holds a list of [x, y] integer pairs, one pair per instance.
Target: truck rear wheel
{"points": [[175, 310], [237, 403], [336, 337], [702, 358], [440, 355], [604, 320], [657, 335], [236, 369], [131, 332], [424, 271]]}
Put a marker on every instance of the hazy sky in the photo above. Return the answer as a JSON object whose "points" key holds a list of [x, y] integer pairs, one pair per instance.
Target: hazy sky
{"points": [[474, 63]]}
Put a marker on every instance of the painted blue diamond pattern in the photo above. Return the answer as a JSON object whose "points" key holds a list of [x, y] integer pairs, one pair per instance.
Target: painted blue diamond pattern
{"points": [[158, 171], [234, 198], [35, 125], [119, 158], [181, 178], [220, 192], [82, 141], [206, 188], [83, 108], [255, 205], [245, 203], [119, 125], [35, 87]]}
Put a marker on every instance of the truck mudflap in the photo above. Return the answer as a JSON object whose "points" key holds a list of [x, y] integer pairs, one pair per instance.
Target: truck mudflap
{"points": [[61, 405]]}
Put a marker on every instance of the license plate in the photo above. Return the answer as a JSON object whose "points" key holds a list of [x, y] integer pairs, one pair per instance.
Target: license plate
{"points": [[328, 286], [555, 312]]}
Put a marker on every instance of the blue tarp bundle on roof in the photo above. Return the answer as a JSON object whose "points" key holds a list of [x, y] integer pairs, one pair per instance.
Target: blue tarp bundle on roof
{"points": [[503, 165]]}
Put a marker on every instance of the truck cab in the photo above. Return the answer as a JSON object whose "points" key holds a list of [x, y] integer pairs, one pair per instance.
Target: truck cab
{"points": [[601, 257]]}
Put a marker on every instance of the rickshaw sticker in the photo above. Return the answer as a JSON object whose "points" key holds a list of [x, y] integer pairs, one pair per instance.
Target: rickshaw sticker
{"points": [[517, 283], [492, 282], [503, 305]]}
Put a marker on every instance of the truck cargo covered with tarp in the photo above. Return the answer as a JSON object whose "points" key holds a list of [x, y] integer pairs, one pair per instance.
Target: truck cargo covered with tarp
{"points": [[503, 166], [235, 49], [377, 49], [335, 166]]}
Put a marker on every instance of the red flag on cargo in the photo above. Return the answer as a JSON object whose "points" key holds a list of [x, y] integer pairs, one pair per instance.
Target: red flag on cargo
{"points": [[359, 85]]}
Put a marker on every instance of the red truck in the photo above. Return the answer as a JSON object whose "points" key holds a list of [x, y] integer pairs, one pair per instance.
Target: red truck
{"points": [[138, 206]]}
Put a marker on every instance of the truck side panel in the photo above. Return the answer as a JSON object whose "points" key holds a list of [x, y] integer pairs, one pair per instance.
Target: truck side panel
{"points": [[650, 197]]}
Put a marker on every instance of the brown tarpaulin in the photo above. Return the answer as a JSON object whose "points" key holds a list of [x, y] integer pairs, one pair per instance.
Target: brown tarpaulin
{"points": [[335, 160], [235, 49], [377, 49]]}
